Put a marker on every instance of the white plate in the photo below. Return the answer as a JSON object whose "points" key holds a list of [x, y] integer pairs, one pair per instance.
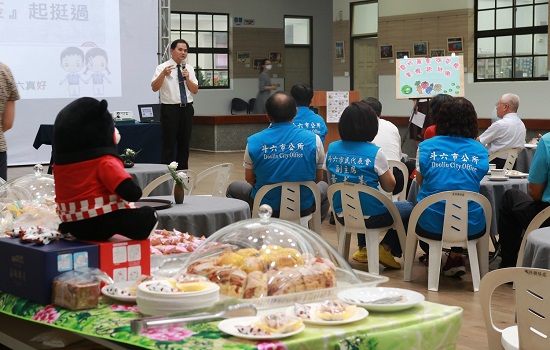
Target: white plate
{"points": [[229, 326], [498, 178], [365, 296], [107, 290], [513, 174], [359, 314]]}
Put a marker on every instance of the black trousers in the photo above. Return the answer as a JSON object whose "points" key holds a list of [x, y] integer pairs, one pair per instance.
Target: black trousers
{"points": [[515, 213], [177, 123]]}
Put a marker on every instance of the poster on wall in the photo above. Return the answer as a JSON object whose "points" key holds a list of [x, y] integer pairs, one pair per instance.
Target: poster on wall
{"points": [[428, 76], [337, 101]]}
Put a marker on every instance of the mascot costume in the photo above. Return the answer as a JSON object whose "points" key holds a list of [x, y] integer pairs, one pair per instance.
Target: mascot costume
{"points": [[94, 193]]}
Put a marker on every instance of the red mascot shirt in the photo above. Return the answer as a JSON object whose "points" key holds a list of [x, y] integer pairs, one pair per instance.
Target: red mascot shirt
{"points": [[87, 189]]}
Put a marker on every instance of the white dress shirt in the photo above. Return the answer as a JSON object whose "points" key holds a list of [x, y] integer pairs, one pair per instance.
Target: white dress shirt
{"points": [[170, 90], [509, 132]]}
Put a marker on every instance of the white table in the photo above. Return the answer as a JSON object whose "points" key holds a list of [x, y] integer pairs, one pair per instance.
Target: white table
{"points": [[144, 173], [537, 249], [492, 190], [201, 215]]}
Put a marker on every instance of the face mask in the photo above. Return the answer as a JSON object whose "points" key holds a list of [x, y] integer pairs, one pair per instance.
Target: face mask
{"points": [[268, 67]]}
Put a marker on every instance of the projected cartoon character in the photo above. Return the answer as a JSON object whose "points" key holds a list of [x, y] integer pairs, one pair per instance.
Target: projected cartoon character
{"points": [[72, 61], [97, 61]]}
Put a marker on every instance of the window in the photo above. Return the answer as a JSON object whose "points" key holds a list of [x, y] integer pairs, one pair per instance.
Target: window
{"points": [[511, 40], [208, 38], [297, 30]]}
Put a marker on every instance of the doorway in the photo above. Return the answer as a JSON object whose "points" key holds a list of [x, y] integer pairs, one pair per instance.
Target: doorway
{"points": [[297, 66], [365, 69]]}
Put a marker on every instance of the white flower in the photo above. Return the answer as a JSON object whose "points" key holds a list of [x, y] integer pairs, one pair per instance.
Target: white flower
{"points": [[182, 176], [173, 165]]}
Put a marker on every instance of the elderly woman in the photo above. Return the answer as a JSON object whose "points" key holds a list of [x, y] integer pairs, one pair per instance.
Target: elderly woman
{"points": [[356, 159], [452, 160]]}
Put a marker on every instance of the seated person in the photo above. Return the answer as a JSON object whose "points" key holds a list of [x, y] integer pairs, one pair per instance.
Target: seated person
{"points": [[389, 140], [508, 132], [306, 118], [518, 208], [440, 167], [282, 153], [434, 105], [356, 159]]}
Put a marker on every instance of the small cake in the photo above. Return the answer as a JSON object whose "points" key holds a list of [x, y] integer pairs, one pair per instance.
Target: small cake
{"points": [[75, 296], [334, 310], [278, 323]]}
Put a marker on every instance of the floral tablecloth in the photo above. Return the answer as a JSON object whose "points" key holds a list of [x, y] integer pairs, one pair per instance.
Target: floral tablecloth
{"points": [[426, 326]]}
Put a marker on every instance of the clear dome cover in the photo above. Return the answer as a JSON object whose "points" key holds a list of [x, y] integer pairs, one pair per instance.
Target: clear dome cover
{"points": [[271, 262], [28, 201], [38, 187]]}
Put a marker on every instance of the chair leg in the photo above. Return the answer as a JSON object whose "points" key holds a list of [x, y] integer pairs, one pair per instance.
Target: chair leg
{"points": [[474, 263], [344, 239], [372, 251], [434, 265], [483, 254], [410, 250]]}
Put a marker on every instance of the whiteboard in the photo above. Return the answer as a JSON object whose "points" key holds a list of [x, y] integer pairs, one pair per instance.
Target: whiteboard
{"points": [[425, 77]]}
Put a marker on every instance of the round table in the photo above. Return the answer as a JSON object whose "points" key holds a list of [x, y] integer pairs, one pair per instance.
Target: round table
{"points": [[144, 173], [201, 215], [492, 190], [525, 157], [537, 249]]}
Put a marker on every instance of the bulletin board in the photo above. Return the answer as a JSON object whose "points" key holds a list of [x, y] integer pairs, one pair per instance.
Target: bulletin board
{"points": [[425, 77]]}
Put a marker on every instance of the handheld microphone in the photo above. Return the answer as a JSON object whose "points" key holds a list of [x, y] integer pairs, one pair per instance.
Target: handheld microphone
{"points": [[182, 68]]}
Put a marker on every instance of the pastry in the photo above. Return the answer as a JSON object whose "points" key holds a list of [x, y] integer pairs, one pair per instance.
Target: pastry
{"points": [[278, 323], [256, 285], [334, 310]]}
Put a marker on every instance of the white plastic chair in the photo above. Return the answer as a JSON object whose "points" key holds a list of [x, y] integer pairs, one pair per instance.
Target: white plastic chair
{"points": [[191, 179], [355, 222], [455, 234], [510, 160], [223, 172], [401, 196], [290, 203], [533, 225], [532, 330]]}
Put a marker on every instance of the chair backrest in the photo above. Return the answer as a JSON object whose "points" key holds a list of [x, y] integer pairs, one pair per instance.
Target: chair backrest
{"points": [[536, 223], [290, 202], [223, 172], [455, 221], [353, 213], [251, 104], [238, 105], [532, 305], [510, 160], [401, 196], [191, 179]]}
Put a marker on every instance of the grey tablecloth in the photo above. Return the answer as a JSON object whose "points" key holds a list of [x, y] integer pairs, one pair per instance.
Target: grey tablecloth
{"points": [[202, 215], [537, 249], [144, 173], [492, 190], [525, 157]]}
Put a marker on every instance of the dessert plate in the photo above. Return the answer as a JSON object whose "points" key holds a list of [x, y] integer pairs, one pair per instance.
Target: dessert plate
{"points": [[359, 314], [381, 298], [230, 325], [514, 174], [121, 291]]}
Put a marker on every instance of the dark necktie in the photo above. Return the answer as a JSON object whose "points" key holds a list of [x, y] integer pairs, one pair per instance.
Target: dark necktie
{"points": [[181, 81]]}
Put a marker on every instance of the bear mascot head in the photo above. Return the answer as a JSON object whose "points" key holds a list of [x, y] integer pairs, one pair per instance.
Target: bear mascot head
{"points": [[94, 193]]}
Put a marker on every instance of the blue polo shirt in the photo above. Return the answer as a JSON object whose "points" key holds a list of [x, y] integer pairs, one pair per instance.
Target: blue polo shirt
{"points": [[449, 163]]}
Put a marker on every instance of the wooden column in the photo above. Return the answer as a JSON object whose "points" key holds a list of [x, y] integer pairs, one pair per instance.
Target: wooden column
{"points": [[320, 101]]}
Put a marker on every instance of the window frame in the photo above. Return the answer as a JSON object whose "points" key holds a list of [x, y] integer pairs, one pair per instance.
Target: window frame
{"points": [[512, 32], [213, 51]]}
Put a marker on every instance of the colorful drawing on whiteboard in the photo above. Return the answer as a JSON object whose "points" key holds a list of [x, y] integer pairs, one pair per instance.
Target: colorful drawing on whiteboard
{"points": [[428, 76]]}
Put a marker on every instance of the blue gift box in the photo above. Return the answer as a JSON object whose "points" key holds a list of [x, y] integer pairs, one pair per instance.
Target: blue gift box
{"points": [[28, 269]]}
